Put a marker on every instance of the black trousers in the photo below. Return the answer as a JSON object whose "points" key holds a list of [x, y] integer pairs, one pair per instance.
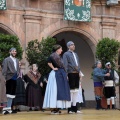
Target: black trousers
{"points": [[11, 87], [73, 80]]}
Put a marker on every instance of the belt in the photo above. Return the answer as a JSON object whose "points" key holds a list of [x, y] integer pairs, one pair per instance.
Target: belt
{"points": [[74, 72]]}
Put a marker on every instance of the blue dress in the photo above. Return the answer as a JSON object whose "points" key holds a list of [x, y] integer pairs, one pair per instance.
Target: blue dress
{"points": [[57, 93]]}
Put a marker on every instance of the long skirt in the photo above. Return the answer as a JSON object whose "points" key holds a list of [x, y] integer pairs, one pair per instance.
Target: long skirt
{"points": [[3, 97], [33, 96], [20, 98], [51, 94]]}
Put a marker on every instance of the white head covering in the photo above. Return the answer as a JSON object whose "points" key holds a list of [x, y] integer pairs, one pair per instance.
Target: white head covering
{"points": [[108, 63]]}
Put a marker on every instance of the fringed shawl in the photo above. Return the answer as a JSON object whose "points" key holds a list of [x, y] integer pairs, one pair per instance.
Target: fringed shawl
{"points": [[57, 59], [33, 77]]}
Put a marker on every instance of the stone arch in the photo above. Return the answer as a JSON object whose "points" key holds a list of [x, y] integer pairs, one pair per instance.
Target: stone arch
{"points": [[83, 28], [13, 29], [61, 26]]}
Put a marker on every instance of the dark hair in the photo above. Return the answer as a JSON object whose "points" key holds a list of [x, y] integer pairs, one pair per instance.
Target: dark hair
{"points": [[56, 47], [33, 64]]}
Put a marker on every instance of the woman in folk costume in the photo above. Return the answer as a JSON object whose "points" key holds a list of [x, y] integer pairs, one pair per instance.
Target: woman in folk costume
{"points": [[3, 97], [20, 98], [33, 89], [57, 93], [98, 78]]}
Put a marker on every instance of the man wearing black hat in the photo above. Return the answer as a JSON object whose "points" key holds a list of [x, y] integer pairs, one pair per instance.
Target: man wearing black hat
{"points": [[72, 67], [110, 82], [10, 70]]}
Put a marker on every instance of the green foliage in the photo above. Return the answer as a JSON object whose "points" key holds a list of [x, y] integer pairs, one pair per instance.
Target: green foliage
{"points": [[7, 42], [38, 52], [107, 51]]}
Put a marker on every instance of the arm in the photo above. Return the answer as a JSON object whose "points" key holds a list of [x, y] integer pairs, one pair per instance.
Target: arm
{"points": [[98, 74], [4, 68], [116, 77], [65, 61], [51, 66]]}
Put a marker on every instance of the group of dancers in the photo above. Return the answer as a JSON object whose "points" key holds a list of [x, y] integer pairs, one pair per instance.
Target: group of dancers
{"points": [[63, 82]]}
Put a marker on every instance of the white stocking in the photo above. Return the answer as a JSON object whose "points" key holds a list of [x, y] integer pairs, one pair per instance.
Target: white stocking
{"points": [[108, 101]]}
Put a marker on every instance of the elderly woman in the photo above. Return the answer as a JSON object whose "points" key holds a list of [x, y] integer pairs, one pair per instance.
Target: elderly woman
{"points": [[98, 78], [3, 98], [33, 89], [57, 93]]}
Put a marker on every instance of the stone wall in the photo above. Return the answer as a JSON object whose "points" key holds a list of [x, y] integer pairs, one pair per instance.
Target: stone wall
{"points": [[34, 19]]}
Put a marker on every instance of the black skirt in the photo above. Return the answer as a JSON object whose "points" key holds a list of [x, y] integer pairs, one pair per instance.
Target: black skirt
{"points": [[109, 92], [34, 96], [20, 98]]}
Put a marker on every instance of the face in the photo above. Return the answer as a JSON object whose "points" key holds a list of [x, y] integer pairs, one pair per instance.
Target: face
{"points": [[13, 53], [99, 65], [72, 47], [59, 51], [34, 67], [108, 66]]}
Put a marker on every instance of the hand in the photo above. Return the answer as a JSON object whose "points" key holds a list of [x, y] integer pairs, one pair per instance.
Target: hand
{"points": [[41, 84], [104, 83], [80, 75], [108, 74], [55, 68]]}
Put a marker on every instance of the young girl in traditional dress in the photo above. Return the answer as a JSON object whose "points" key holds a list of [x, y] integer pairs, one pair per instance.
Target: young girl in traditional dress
{"points": [[20, 98]]}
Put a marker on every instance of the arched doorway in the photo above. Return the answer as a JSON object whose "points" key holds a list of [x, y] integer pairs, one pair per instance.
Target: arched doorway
{"points": [[3, 31], [85, 49]]}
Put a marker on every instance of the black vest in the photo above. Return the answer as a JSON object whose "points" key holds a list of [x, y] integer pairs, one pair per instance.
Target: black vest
{"points": [[111, 77]]}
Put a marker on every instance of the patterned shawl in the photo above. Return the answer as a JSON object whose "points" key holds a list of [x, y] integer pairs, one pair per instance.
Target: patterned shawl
{"points": [[57, 59], [33, 77]]}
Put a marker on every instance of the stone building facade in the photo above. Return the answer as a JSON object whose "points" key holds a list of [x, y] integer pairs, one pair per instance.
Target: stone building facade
{"points": [[34, 19]]}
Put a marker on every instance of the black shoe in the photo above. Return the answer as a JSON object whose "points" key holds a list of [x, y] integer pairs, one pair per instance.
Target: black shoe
{"points": [[5, 112], [18, 110], [56, 112], [108, 107], [74, 109], [30, 109], [13, 112], [36, 109], [113, 107], [70, 110]]}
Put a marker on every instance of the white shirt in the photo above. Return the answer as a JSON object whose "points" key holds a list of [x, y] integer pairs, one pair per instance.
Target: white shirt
{"points": [[14, 61], [75, 59], [116, 77]]}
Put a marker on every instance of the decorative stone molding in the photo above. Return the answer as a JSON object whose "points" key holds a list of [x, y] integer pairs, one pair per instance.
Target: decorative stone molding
{"points": [[113, 24], [32, 17]]}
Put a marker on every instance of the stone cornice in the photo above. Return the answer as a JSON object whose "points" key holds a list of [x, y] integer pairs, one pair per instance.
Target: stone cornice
{"points": [[33, 17], [105, 16], [113, 24]]}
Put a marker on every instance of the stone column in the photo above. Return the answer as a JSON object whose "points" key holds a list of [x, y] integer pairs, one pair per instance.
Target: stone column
{"points": [[32, 22], [108, 27]]}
